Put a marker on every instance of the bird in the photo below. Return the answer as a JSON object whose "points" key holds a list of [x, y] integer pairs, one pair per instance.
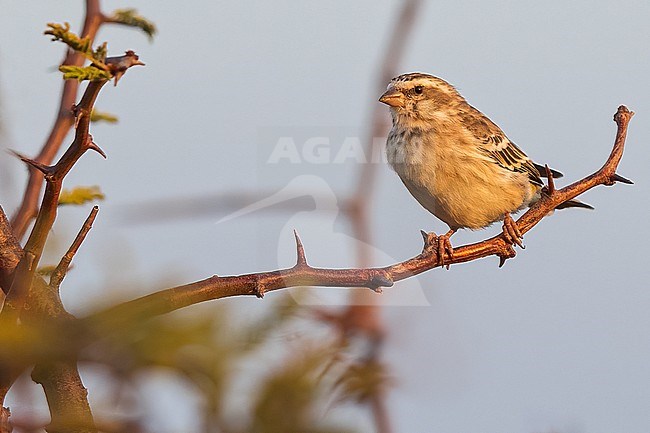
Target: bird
{"points": [[456, 162]]}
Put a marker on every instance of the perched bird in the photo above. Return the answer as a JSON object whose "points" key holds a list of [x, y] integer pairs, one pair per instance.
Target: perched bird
{"points": [[455, 161]]}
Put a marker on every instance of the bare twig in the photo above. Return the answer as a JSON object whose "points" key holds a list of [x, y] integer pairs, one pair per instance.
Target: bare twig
{"points": [[62, 268], [217, 287]]}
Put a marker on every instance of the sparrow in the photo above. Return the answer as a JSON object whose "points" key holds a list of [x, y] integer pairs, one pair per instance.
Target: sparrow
{"points": [[456, 162]]}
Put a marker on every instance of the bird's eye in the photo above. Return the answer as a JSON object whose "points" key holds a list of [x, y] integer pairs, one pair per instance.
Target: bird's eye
{"points": [[418, 90]]}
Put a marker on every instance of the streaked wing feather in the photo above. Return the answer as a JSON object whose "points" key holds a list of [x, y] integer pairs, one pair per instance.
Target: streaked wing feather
{"points": [[498, 147]]}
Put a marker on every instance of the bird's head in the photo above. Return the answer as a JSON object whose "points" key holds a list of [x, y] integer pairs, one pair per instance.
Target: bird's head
{"points": [[420, 98]]}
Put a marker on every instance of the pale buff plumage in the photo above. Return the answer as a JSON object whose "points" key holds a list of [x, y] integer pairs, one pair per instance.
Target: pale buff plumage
{"points": [[456, 162]]}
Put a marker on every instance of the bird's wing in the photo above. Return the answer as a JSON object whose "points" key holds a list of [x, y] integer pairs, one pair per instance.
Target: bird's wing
{"points": [[497, 147]]}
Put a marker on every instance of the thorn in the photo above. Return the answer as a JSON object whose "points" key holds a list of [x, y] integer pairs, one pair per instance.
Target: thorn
{"points": [[379, 280], [93, 146], [618, 178], [430, 241], [550, 181], [508, 254], [117, 75], [78, 113], [300, 250], [45, 169]]}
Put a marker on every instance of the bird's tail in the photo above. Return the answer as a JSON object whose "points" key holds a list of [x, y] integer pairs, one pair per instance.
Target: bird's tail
{"points": [[574, 203], [542, 171]]}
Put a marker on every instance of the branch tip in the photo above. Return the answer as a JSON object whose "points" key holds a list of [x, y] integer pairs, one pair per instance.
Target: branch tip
{"points": [[118, 65], [62, 268], [623, 115]]}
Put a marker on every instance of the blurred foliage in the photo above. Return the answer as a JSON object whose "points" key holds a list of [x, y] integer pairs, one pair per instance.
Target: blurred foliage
{"points": [[100, 116], [130, 17], [290, 396], [80, 195], [363, 380], [294, 380]]}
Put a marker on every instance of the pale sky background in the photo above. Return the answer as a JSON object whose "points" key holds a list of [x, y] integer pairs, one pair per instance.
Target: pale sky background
{"points": [[555, 340]]}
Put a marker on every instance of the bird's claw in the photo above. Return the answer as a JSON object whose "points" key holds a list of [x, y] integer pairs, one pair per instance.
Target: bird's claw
{"points": [[511, 232], [441, 245]]}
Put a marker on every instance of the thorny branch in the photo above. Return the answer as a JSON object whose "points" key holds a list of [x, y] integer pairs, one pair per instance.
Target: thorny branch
{"points": [[302, 274], [54, 176], [46, 216], [64, 121], [67, 398]]}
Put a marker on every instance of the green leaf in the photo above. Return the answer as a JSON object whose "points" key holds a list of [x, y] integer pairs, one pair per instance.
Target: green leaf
{"points": [[62, 33], [100, 116], [81, 45], [81, 73], [80, 195], [130, 17], [100, 53]]}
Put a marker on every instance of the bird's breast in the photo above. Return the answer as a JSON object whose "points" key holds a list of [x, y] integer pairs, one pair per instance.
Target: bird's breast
{"points": [[453, 180]]}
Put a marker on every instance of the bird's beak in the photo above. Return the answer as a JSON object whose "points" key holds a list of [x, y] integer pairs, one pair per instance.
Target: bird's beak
{"points": [[393, 97]]}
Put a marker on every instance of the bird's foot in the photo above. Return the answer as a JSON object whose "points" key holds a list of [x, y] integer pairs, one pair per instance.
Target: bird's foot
{"points": [[441, 245], [511, 232]]}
